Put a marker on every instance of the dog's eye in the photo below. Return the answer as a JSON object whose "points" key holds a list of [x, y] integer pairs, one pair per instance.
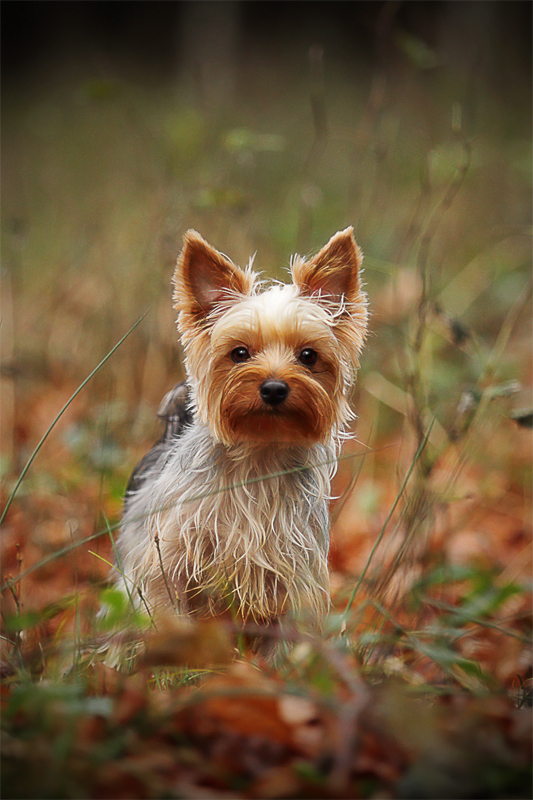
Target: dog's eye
{"points": [[308, 357], [240, 355]]}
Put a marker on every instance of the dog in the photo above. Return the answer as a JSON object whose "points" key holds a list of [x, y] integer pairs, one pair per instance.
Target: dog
{"points": [[228, 513]]}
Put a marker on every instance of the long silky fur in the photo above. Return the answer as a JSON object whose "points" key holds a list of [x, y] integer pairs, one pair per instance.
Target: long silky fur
{"points": [[232, 524]]}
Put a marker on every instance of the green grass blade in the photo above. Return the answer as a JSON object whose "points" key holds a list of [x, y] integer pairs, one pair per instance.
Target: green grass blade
{"points": [[58, 554], [117, 558], [385, 524], [68, 548], [59, 415]]}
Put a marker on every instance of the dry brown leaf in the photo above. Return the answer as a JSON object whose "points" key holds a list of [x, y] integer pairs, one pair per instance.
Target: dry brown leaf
{"points": [[192, 643], [296, 710], [276, 782], [132, 699]]}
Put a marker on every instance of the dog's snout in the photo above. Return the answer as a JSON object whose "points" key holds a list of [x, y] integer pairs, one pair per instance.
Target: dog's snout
{"points": [[274, 392]]}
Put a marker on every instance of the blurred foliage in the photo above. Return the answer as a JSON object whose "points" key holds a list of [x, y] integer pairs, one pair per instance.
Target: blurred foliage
{"points": [[418, 133]]}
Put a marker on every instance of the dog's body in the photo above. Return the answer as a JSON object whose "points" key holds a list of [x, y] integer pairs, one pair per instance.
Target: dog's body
{"points": [[229, 509], [234, 529]]}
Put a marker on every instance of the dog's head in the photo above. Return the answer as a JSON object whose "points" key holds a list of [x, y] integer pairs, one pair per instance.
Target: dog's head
{"points": [[271, 364]]}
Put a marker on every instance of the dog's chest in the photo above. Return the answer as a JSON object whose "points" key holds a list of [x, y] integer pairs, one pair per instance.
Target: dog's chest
{"points": [[208, 525], [225, 506]]}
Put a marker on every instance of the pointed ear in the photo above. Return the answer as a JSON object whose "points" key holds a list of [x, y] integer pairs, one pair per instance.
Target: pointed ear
{"points": [[333, 274], [204, 278]]}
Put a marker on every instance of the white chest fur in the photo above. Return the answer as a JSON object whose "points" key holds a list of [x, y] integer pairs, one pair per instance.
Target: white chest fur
{"points": [[254, 536]]}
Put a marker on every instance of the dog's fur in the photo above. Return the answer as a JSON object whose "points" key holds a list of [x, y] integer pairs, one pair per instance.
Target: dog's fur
{"points": [[229, 509]]}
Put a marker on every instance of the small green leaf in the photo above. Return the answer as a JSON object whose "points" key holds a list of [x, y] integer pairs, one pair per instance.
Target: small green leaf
{"points": [[23, 622], [417, 51]]}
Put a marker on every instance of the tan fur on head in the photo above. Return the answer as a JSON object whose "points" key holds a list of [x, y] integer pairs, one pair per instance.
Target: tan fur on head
{"points": [[220, 309], [205, 279], [334, 271], [333, 278]]}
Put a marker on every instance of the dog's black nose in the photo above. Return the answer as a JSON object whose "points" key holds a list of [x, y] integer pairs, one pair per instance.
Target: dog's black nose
{"points": [[274, 392]]}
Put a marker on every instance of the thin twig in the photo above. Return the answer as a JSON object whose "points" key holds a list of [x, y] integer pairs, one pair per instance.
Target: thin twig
{"points": [[385, 524], [318, 108], [158, 548], [117, 558], [127, 578]]}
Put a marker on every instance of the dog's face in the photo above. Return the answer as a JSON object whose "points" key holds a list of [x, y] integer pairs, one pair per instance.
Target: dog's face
{"points": [[271, 366]]}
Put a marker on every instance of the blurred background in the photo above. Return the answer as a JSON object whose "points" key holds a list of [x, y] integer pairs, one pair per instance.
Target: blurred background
{"points": [[268, 126]]}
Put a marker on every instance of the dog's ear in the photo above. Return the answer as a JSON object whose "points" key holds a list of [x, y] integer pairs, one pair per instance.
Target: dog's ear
{"points": [[205, 279], [333, 274], [332, 279]]}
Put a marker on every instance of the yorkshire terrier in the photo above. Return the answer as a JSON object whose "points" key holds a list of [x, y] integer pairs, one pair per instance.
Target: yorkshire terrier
{"points": [[229, 510]]}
